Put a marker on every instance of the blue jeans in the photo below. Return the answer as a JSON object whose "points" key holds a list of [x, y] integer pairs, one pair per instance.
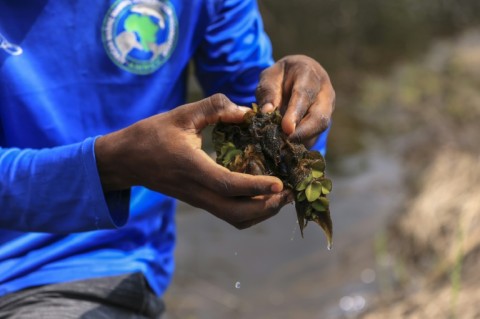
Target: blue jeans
{"points": [[119, 297]]}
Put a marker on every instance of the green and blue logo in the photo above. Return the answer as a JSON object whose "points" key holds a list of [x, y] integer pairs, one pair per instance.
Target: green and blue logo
{"points": [[140, 35]]}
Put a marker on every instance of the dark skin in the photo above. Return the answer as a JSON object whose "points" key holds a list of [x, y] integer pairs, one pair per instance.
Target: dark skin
{"points": [[163, 152], [303, 91]]}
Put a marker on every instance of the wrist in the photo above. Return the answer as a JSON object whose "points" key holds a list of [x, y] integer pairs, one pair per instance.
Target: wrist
{"points": [[109, 155]]}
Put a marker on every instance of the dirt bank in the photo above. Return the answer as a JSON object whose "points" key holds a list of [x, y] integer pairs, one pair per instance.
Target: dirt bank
{"points": [[435, 238]]}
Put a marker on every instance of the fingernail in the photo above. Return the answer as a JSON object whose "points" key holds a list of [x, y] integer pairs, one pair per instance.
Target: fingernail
{"points": [[267, 107], [276, 188]]}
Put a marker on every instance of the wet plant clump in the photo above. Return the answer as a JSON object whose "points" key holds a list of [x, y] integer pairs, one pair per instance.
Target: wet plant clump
{"points": [[258, 146]]}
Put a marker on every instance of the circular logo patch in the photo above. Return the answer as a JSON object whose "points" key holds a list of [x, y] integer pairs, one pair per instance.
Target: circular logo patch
{"points": [[140, 35]]}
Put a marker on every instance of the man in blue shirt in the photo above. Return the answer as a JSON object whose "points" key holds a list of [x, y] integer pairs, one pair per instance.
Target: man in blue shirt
{"points": [[96, 142]]}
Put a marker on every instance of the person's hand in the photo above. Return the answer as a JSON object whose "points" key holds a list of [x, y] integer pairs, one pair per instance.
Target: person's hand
{"points": [[163, 153], [302, 90]]}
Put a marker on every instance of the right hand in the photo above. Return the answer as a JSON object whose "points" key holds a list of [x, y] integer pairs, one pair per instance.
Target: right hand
{"points": [[163, 153]]}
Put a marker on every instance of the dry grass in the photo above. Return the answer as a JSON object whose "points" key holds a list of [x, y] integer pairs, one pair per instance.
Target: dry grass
{"points": [[436, 107]]}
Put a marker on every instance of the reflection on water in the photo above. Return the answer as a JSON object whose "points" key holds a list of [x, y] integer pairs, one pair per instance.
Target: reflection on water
{"points": [[352, 305], [281, 274], [368, 276]]}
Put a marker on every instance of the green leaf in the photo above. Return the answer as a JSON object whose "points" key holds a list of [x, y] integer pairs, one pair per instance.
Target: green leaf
{"points": [[226, 148], [309, 178], [318, 206], [277, 117], [325, 221], [230, 156], [318, 165], [301, 186], [308, 212], [316, 174], [327, 184], [304, 183], [301, 196], [313, 191], [325, 202]]}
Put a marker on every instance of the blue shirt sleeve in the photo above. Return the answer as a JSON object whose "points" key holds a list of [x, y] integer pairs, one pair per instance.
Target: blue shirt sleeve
{"points": [[57, 190], [321, 143], [234, 51]]}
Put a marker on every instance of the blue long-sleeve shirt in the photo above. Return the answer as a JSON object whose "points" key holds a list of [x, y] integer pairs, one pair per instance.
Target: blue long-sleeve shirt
{"points": [[88, 69]]}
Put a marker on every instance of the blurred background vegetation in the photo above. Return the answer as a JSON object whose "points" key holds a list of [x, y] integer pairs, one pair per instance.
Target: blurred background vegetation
{"points": [[356, 39], [349, 36], [403, 155]]}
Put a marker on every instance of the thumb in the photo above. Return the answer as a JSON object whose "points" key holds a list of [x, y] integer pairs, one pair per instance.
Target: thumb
{"points": [[216, 108]]}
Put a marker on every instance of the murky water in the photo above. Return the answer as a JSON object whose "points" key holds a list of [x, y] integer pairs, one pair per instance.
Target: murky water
{"points": [[269, 271]]}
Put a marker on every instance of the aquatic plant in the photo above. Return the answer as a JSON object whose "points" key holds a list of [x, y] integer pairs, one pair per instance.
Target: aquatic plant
{"points": [[258, 146]]}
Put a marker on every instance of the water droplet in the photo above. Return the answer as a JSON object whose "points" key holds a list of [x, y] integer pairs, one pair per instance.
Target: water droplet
{"points": [[346, 303], [352, 304], [237, 285], [368, 276], [359, 303], [293, 231]]}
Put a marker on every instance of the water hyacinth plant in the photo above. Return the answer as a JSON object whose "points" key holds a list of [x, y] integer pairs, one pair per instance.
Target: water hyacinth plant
{"points": [[258, 146]]}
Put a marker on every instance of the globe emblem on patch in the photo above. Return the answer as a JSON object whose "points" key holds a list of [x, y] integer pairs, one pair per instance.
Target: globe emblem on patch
{"points": [[140, 35]]}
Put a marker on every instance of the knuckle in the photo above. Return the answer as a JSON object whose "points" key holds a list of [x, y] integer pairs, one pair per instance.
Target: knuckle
{"points": [[313, 74], [305, 93], [310, 93], [213, 106], [305, 68], [324, 123], [315, 126], [305, 131], [219, 101], [223, 186]]}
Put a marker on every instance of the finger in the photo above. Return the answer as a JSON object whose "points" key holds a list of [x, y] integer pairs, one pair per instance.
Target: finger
{"points": [[241, 212], [317, 118], [304, 94], [268, 107], [217, 108], [269, 90], [276, 202], [227, 183]]}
